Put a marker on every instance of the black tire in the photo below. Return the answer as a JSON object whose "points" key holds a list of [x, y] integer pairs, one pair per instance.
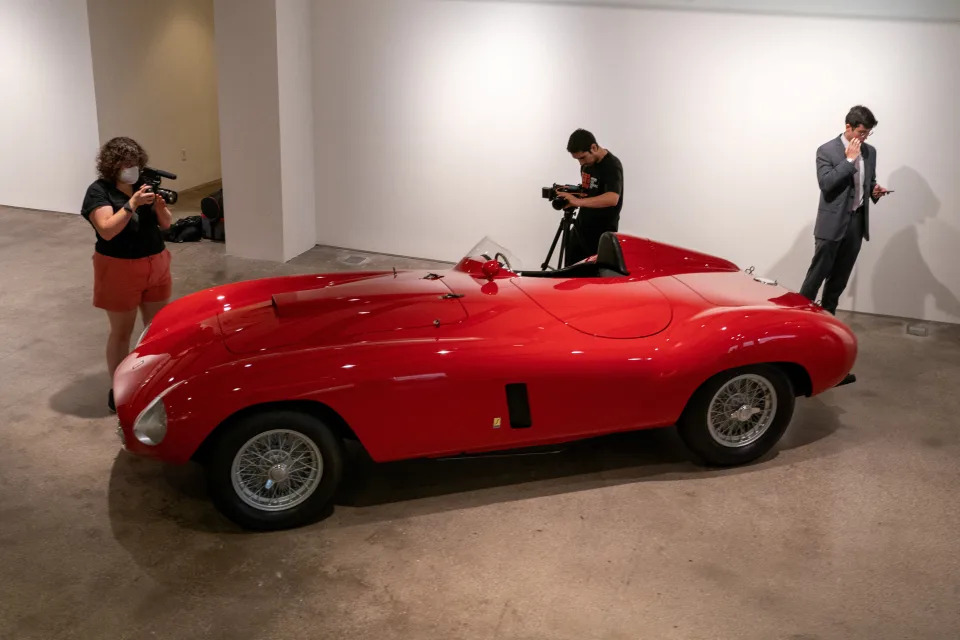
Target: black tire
{"points": [[292, 427], [708, 444]]}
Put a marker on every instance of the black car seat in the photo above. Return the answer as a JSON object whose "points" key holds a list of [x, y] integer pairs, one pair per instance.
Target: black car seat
{"points": [[610, 261]]}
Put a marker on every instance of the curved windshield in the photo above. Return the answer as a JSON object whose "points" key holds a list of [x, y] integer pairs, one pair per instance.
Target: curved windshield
{"points": [[489, 249]]}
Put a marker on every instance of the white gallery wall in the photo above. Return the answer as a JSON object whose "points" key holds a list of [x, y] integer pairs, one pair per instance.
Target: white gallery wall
{"points": [[295, 97], [266, 122], [246, 37], [48, 112], [436, 122], [156, 81]]}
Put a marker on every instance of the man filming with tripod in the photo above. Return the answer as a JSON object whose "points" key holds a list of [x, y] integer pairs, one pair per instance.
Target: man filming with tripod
{"points": [[602, 184]]}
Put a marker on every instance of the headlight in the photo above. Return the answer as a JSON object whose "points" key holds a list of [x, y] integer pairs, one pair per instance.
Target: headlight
{"points": [[142, 334], [151, 425]]}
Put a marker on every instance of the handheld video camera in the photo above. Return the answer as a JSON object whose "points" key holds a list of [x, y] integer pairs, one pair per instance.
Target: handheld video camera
{"points": [[550, 193], [153, 177]]}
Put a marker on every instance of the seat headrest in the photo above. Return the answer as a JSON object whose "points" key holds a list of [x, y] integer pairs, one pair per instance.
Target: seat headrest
{"points": [[609, 254]]}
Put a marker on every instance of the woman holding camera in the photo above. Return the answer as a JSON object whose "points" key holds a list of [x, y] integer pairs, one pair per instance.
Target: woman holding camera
{"points": [[131, 264]]}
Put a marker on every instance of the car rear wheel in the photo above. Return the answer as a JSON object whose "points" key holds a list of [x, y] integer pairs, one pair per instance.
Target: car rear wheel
{"points": [[275, 470], [738, 415]]}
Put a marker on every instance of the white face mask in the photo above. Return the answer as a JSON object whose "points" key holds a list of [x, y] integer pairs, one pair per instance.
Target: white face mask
{"points": [[129, 175]]}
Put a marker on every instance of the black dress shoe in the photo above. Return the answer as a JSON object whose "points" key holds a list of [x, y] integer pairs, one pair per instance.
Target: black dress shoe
{"points": [[113, 407]]}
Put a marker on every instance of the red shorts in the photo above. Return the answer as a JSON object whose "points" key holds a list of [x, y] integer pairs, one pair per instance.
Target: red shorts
{"points": [[121, 284]]}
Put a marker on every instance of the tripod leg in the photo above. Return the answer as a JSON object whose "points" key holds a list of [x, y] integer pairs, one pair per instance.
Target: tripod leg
{"points": [[565, 240], [561, 230], [562, 256]]}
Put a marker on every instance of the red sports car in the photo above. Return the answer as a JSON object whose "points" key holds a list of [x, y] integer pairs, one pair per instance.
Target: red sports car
{"points": [[262, 381]]}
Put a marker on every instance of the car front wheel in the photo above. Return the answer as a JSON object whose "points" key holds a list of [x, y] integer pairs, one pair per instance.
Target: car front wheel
{"points": [[274, 470], [738, 416]]}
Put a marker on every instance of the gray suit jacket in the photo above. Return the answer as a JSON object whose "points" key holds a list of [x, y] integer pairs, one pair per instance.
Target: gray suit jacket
{"points": [[837, 189]]}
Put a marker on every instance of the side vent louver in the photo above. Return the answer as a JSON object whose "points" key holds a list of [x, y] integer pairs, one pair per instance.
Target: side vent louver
{"points": [[519, 406]]}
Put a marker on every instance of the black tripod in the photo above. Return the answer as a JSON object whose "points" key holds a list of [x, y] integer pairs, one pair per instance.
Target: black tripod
{"points": [[563, 236]]}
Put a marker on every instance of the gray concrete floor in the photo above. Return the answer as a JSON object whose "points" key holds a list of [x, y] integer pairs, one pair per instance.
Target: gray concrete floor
{"points": [[850, 530]]}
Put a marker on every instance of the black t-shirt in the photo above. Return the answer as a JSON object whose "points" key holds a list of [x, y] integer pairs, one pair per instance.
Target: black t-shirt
{"points": [[139, 238], [597, 179]]}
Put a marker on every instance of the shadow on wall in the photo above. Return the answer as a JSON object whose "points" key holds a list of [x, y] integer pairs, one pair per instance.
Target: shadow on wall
{"points": [[902, 280], [790, 270]]}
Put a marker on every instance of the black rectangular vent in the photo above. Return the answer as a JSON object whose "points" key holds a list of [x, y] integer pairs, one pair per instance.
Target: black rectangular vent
{"points": [[519, 406]]}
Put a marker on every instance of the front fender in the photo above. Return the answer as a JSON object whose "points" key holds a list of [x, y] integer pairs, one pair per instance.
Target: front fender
{"points": [[210, 396]]}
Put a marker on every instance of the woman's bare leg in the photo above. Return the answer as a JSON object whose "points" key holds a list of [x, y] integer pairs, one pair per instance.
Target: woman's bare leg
{"points": [[118, 343], [149, 309]]}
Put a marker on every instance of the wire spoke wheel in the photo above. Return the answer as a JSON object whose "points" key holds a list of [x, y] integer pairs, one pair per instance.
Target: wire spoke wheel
{"points": [[277, 470], [742, 410]]}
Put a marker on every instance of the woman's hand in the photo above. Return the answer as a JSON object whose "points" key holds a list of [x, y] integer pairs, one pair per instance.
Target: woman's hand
{"points": [[142, 196], [160, 205], [164, 216]]}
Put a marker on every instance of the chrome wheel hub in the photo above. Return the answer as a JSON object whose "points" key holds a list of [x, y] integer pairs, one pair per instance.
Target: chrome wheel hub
{"points": [[742, 410], [278, 473], [744, 413], [277, 470]]}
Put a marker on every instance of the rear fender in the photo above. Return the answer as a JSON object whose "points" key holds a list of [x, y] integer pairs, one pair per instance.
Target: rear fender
{"points": [[822, 347]]}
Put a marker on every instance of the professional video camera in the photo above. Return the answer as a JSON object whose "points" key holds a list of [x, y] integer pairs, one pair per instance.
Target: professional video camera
{"points": [[153, 176], [563, 230], [550, 193]]}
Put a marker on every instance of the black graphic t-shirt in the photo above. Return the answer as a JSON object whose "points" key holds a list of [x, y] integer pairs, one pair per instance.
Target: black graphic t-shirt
{"points": [[597, 179], [139, 239]]}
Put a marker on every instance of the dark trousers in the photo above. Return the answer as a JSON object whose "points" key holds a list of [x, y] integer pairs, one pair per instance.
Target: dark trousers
{"points": [[579, 246], [832, 264], [584, 242]]}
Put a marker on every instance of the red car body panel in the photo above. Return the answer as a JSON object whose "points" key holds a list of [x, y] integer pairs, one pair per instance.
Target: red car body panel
{"points": [[417, 364]]}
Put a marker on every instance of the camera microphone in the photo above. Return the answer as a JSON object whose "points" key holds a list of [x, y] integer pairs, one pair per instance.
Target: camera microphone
{"points": [[162, 173]]}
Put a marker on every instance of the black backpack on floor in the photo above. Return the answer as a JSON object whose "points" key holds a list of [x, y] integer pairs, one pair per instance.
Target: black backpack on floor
{"points": [[212, 209], [188, 229]]}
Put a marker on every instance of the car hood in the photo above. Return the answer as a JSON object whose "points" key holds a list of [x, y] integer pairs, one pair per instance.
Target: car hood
{"points": [[335, 308]]}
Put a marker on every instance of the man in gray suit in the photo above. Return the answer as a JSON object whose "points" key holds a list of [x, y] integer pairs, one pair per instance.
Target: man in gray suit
{"points": [[847, 173]]}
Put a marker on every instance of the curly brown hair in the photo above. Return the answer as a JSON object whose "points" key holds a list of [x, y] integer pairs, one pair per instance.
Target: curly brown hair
{"points": [[116, 153]]}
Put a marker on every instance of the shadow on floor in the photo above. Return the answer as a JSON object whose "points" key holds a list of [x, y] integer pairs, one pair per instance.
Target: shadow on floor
{"points": [[162, 516], [653, 454], [85, 397], [144, 491]]}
